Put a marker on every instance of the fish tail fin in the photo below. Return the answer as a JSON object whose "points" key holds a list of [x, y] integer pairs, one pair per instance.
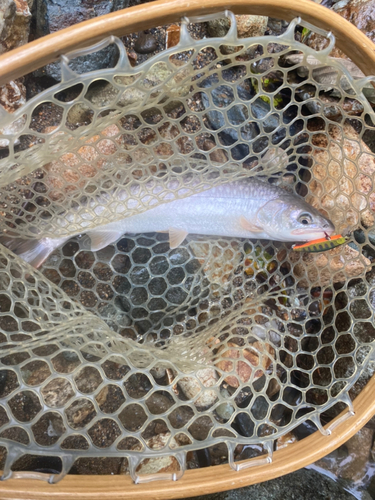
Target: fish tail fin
{"points": [[35, 252]]}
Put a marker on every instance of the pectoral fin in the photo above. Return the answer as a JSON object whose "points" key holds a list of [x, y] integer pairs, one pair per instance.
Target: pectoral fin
{"points": [[176, 237], [248, 226], [101, 239]]}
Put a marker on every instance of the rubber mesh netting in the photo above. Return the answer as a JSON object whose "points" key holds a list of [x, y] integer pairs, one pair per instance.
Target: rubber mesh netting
{"points": [[141, 351]]}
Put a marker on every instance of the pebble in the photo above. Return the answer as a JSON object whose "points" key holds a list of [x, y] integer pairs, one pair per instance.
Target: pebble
{"points": [[145, 43], [192, 388]]}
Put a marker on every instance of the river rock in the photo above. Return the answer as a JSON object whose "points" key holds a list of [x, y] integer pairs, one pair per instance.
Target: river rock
{"points": [[191, 387], [247, 26], [250, 359], [15, 19], [55, 15], [360, 13], [349, 461], [302, 484], [12, 96], [14, 31]]}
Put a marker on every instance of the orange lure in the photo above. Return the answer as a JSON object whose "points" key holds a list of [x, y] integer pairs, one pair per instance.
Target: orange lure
{"points": [[321, 245]]}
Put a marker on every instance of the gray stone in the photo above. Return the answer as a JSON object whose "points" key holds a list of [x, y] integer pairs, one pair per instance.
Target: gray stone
{"points": [[304, 484], [218, 27], [55, 15], [277, 26]]}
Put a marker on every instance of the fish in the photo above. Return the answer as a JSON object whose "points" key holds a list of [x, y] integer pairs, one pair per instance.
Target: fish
{"points": [[246, 208], [322, 244]]}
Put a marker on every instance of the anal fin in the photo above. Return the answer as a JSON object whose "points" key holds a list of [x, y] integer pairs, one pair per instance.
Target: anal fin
{"points": [[102, 238], [248, 226], [176, 237]]}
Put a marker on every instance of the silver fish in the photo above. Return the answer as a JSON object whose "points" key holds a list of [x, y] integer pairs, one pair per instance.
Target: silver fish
{"points": [[246, 208]]}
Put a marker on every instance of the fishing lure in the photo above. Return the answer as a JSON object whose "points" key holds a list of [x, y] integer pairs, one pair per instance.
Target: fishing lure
{"points": [[322, 245]]}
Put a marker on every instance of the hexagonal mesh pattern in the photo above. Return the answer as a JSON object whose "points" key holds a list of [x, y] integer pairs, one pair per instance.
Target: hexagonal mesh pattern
{"points": [[138, 350]]}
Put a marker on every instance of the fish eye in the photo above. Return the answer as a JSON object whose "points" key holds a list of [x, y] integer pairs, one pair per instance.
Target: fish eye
{"points": [[305, 219]]}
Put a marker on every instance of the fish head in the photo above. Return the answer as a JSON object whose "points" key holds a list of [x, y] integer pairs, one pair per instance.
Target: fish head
{"points": [[289, 218]]}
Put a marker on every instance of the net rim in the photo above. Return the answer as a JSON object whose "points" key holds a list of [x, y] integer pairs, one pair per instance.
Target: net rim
{"points": [[49, 48]]}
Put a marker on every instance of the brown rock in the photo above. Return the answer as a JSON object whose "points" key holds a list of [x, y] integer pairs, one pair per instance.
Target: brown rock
{"points": [[132, 55], [158, 465], [248, 26], [15, 19], [254, 358], [12, 96], [172, 35], [145, 43], [360, 13]]}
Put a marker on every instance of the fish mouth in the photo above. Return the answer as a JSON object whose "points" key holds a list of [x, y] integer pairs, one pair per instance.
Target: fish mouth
{"points": [[324, 230]]}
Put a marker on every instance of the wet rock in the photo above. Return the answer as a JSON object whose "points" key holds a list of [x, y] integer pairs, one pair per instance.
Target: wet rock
{"points": [[361, 13], [276, 26], [14, 31], [145, 43], [15, 19], [12, 96], [239, 114], [247, 26], [349, 461], [218, 27], [55, 15], [306, 484], [101, 93]]}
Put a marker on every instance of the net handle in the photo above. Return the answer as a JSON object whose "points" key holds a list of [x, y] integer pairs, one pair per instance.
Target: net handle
{"points": [[36, 54]]}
